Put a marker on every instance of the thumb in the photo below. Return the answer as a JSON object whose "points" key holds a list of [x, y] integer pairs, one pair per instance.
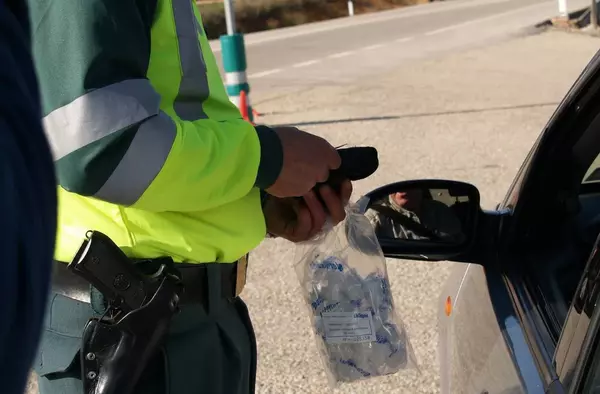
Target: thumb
{"points": [[334, 159]]}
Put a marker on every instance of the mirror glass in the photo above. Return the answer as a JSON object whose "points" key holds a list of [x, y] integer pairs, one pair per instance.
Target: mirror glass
{"points": [[438, 213]]}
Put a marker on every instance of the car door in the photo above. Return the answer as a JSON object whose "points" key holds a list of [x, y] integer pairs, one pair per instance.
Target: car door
{"points": [[525, 327], [499, 321]]}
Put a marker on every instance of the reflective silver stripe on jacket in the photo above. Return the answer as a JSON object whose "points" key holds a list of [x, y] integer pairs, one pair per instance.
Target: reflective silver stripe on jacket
{"points": [[141, 163], [193, 89], [99, 113], [105, 111]]}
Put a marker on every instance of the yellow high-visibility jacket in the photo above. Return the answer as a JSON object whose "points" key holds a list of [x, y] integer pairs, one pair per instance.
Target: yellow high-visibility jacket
{"points": [[148, 147]]}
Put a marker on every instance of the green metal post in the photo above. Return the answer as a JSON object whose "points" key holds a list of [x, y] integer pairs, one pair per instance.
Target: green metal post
{"points": [[234, 64], [234, 61]]}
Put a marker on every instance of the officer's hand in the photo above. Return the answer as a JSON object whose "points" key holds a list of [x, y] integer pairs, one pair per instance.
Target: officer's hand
{"points": [[307, 160], [300, 219]]}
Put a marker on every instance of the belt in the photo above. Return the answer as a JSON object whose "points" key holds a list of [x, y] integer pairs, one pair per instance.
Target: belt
{"points": [[195, 279]]}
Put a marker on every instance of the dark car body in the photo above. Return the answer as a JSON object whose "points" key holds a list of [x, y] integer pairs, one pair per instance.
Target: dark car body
{"points": [[519, 315]]}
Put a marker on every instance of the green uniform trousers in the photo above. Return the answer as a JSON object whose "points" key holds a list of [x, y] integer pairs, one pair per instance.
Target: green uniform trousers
{"points": [[207, 351]]}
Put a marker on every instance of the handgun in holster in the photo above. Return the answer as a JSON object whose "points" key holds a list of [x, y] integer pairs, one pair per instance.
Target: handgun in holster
{"points": [[116, 347]]}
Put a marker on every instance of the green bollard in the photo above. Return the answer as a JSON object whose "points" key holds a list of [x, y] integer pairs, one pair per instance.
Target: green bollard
{"points": [[234, 63]]}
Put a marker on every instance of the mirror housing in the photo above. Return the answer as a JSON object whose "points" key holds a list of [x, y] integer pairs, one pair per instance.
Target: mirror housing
{"points": [[428, 219]]}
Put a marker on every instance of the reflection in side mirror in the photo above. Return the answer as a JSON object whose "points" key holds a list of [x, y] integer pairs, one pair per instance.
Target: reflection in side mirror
{"points": [[426, 212]]}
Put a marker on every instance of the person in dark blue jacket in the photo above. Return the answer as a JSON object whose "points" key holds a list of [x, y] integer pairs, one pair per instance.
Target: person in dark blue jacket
{"points": [[27, 202]]}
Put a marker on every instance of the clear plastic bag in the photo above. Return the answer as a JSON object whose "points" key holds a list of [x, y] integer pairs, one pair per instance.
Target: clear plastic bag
{"points": [[344, 281]]}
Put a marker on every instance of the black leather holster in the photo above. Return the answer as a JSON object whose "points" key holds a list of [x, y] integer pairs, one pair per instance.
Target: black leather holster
{"points": [[117, 347]]}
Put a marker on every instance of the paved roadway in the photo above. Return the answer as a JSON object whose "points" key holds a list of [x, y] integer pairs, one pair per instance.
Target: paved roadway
{"points": [[470, 116], [291, 59]]}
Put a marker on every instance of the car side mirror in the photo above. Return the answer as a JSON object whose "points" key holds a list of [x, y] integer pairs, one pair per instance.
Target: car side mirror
{"points": [[424, 219]]}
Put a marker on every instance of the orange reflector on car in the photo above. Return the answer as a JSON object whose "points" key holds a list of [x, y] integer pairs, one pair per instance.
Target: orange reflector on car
{"points": [[448, 306]]}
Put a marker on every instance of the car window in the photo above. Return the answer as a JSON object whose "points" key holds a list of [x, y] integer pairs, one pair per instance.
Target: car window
{"points": [[576, 357], [583, 326], [591, 383], [574, 228], [593, 173], [585, 367]]}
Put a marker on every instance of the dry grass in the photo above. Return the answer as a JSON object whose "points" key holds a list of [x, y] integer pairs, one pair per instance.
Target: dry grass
{"points": [[257, 15]]}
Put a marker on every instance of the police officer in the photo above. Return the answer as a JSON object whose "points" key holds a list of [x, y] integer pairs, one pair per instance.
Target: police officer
{"points": [[408, 215], [149, 151]]}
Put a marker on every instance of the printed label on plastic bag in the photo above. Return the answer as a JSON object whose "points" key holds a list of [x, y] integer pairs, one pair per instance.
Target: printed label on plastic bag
{"points": [[344, 327]]}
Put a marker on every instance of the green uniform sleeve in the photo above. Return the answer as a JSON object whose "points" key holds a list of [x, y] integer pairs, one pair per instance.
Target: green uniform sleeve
{"points": [[109, 137]]}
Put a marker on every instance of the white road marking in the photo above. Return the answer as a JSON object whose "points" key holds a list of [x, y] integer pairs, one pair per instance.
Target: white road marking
{"points": [[405, 39], [372, 47], [487, 18], [304, 64], [340, 54], [357, 20], [265, 73], [462, 281]]}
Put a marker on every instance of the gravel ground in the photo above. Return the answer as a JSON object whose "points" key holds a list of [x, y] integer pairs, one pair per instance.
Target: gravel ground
{"points": [[469, 116]]}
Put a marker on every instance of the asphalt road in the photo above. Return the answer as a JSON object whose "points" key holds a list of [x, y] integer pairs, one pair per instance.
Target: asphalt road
{"points": [[363, 46]]}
